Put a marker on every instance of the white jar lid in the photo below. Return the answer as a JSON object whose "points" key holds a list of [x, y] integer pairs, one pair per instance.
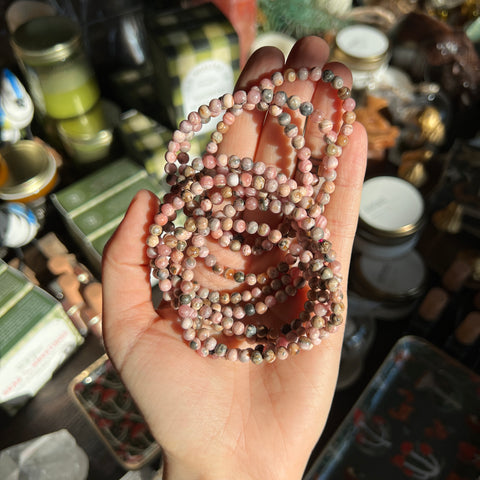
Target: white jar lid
{"points": [[362, 42], [391, 207]]}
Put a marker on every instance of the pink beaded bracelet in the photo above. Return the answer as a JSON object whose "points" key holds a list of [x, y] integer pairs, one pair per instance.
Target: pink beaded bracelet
{"points": [[214, 190]]}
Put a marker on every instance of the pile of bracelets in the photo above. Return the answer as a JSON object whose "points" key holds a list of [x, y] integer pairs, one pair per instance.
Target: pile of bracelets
{"points": [[215, 190]]}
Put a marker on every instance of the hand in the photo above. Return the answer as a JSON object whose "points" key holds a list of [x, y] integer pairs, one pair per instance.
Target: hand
{"points": [[215, 419]]}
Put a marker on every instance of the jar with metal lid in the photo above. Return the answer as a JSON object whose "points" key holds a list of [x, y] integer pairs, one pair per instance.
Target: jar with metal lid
{"points": [[365, 50], [393, 285], [60, 78], [392, 214]]}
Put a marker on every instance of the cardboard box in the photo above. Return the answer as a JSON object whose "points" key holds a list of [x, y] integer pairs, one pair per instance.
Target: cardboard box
{"points": [[36, 336]]}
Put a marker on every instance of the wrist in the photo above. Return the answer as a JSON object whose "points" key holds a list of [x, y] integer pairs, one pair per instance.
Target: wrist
{"points": [[218, 469]]}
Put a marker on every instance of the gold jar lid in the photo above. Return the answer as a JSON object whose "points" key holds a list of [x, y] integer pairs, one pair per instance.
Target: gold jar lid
{"points": [[31, 171], [391, 208], [361, 47], [45, 40]]}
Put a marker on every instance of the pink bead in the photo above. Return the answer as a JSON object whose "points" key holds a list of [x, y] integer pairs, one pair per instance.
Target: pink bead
{"points": [[220, 180], [282, 342], [308, 178], [185, 311], [317, 116], [206, 205], [198, 240], [238, 328], [209, 161], [349, 104], [251, 203], [238, 312], [203, 252], [336, 267], [232, 355], [173, 146], [321, 221], [239, 225], [206, 182], [167, 209], [330, 162], [270, 172], [229, 118], [178, 136], [305, 166], [216, 318], [185, 126], [240, 97], [245, 179], [212, 147], [315, 74], [254, 96], [256, 292], [189, 334], [216, 198], [215, 106], [346, 129], [161, 219], [270, 301], [165, 285], [266, 83], [170, 157], [330, 174], [194, 118], [185, 146], [271, 186], [222, 160]]}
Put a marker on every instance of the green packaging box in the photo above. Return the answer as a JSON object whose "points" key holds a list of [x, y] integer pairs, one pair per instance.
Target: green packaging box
{"points": [[36, 337], [196, 58], [93, 207]]}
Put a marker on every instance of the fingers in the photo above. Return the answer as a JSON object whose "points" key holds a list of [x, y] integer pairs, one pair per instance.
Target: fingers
{"points": [[127, 305], [274, 146], [242, 137]]}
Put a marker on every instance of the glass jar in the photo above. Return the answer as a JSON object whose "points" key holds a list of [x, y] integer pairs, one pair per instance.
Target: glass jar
{"points": [[365, 50], [392, 214], [60, 78]]}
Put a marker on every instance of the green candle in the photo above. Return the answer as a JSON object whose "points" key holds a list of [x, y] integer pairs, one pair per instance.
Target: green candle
{"points": [[61, 80]]}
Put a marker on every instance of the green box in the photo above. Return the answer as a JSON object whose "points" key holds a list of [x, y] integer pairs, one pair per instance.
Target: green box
{"points": [[93, 207], [36, 337], [196, 57]]}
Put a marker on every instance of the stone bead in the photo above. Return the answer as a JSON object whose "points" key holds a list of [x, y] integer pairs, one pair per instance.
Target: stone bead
{"points": [[294, 102], [306, 108], [328, 76], [337, 82], [256, 357], [290, 75], [284, 119]]}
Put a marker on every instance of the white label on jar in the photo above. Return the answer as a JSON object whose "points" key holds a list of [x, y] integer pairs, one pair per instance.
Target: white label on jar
{"points": [[362, 41], [390, 204], [397, 277], [207, 80]]}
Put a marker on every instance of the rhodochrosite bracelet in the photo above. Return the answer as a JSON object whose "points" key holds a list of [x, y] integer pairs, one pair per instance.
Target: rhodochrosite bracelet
{"points": [[216, 191]]}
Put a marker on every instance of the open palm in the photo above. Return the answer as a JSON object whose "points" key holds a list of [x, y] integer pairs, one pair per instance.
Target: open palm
{"points": [[216, 419]]}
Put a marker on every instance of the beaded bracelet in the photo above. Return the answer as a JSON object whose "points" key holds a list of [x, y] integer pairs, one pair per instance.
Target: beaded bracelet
{"points": [[214, 190]]}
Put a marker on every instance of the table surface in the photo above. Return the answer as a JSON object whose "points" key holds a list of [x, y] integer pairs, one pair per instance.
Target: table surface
{"points": [[53, 409]]}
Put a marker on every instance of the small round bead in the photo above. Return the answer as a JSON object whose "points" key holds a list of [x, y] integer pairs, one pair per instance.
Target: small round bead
{"points": [[327, 76], [337, 82], [294, 102], [306, 108]]}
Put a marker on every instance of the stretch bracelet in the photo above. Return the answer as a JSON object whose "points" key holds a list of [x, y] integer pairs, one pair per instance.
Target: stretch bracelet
{"points": [[215, 190]]}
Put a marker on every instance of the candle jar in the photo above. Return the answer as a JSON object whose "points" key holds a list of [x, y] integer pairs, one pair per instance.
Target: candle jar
{"points": [[365, 50], [60, 78]]}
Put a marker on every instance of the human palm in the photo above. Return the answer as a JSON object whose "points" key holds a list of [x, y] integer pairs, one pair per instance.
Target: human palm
{"points": [[213, 418]]}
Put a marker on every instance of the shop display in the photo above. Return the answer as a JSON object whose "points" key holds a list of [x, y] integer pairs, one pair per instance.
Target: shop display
{"points": [[108, 86]]}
